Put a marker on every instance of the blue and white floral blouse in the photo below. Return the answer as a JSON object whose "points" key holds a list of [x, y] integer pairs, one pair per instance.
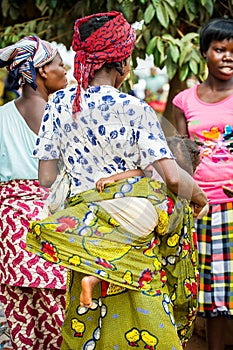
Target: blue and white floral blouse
{"points": [[113, 132]]}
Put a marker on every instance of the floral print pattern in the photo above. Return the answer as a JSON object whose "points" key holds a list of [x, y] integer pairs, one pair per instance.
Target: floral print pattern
{"points": [[114, 132], [166, 258]]}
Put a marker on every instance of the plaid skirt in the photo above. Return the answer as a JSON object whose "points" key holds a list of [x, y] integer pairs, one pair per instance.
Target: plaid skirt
{"points": [[215, 246]]}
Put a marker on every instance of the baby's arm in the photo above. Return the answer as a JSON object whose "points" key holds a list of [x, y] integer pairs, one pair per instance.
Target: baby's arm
{"points": [[100, 184]]}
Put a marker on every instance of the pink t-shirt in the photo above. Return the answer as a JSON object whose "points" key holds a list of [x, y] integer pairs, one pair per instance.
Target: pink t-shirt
{"points": [[212, 125]]}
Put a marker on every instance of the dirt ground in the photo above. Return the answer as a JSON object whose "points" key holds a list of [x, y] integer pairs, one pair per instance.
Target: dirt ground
{"points": [[196, 343]]}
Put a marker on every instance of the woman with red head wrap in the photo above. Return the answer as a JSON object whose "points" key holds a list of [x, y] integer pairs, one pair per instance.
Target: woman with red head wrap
{"points": [[112, 42], [148, 272]]}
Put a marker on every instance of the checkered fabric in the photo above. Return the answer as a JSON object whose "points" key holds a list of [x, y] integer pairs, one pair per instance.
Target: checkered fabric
{"points": [[215, 246]]}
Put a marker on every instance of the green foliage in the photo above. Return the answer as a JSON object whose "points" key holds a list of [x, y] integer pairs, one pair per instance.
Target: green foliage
{"points": [[169, 33], [175, 42]]}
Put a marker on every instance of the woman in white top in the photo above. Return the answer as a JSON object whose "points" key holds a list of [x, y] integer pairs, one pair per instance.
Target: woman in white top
{"points": [[32, 292]]}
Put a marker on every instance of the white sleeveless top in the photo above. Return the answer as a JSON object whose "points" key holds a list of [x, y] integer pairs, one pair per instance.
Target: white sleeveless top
{"points": [[17, 142]]}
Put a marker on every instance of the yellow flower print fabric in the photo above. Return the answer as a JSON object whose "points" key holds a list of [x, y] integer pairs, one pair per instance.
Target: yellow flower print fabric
{"points": [[86, 239]]}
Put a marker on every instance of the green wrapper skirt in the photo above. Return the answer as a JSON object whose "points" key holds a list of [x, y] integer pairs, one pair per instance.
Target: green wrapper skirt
{"points": [[147, 298]]}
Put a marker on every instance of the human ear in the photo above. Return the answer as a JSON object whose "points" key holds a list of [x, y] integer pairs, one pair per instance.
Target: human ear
{"points": [[125, 64], [42, 72]]}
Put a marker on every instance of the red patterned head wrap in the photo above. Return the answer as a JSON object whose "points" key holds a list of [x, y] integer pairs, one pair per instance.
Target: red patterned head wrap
{"points": [[113, 42]]}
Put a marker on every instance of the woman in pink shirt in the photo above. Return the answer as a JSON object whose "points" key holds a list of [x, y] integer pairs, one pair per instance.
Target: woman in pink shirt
{"points": [[205, 114]]}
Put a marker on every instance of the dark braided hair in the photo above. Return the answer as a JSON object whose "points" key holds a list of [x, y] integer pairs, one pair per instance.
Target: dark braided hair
{"points": [[86, 29]]}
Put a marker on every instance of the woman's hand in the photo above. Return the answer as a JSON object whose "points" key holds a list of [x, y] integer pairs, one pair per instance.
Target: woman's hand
{"points": [[198, 211], [228, 191]]}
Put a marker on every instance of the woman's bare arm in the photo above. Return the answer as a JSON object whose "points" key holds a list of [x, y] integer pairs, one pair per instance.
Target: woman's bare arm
{"points": [[180, 120], [181, 183], [47, 172]]}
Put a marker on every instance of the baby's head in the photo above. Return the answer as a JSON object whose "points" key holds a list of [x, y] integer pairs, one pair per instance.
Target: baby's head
{"points": [[186, 152]]}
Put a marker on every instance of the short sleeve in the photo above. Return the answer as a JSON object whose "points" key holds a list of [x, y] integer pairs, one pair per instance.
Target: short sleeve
{"points": [[152, 144], [183, 99], [48, 142], [178, 100]]}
